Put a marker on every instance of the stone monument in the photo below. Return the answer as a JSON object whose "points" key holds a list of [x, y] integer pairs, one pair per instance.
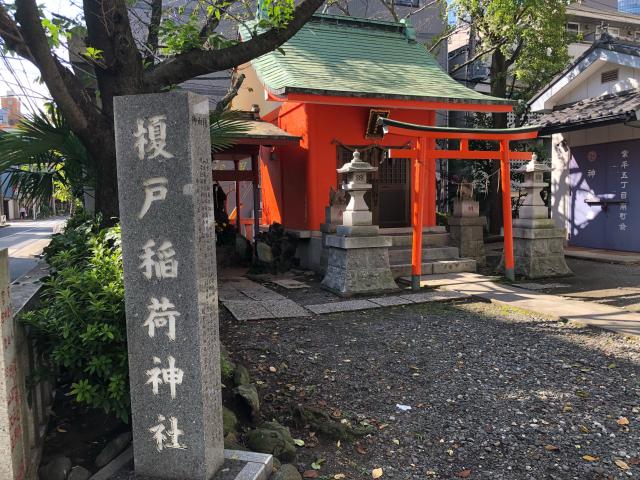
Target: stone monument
{"points": [[538, 245], [168, 249], [12, 446], [358, 258], [466, 226]]}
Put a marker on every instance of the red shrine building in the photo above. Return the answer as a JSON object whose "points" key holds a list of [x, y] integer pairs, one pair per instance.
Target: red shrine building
{"points": [[324, 90]]}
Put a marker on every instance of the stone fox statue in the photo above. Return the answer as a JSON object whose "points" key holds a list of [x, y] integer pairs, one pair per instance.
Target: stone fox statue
{"points": [[337, 198]]}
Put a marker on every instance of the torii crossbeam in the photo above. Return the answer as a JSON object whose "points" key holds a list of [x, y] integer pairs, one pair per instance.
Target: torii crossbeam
{"points": [[424, 154]]}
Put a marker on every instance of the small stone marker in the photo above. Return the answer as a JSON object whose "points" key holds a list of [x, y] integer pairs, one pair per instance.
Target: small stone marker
{"points": [[168, 244], [13, 451]]}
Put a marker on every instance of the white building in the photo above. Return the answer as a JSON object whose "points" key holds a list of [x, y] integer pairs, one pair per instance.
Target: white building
{"points": [[592, 112]]}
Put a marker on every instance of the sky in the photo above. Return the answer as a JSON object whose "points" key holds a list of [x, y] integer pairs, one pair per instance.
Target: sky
{"points": [[21, 77]]}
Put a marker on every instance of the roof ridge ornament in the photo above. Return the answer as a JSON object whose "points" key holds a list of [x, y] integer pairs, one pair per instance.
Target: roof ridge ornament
{"points": [[409, 30]]}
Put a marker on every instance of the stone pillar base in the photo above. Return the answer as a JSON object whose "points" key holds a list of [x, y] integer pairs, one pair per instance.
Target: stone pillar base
{"points": [[538, 249], [358, 265], [467, 233], [326, 229]]}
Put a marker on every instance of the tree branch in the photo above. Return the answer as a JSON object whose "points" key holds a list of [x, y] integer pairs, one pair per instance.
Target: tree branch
{"points": [[441, 39], [11, 35], [60, 81], [424, 7], [391, 8], [154, 28], [199, 62], [476, 57], [231, 94], [516, 52]]}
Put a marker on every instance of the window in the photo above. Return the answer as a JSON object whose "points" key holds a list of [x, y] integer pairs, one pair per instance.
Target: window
{"points": [[613, 31], [573, 28], [609, 76]]}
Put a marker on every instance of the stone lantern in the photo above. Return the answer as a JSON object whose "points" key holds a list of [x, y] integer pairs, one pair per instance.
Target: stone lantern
{"points": [[538, 245], [533, 206], [357, 257], [357, 212]]}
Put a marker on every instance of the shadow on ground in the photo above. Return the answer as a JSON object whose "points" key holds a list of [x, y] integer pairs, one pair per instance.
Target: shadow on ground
{"points": [[495, 391]]}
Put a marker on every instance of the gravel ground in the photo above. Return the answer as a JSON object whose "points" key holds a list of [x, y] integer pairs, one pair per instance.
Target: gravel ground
{"points": [[495, 393]]}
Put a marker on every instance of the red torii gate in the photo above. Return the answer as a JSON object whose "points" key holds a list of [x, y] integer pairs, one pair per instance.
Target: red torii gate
{"points": [[424, 155]]}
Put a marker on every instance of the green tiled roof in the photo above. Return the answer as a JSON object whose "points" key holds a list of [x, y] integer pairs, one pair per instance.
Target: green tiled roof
{"points": [[347, 56]]}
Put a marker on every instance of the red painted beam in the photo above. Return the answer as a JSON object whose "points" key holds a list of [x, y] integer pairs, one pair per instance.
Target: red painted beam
{"points": [[462, 135], [460, 154]]}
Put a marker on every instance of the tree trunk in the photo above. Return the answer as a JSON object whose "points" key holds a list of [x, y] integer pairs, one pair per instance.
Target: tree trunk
{"points": [[498, 89], [103, 153]]}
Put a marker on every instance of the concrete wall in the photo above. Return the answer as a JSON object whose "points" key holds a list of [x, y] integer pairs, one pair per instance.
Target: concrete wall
{"points": [[24, 408]]}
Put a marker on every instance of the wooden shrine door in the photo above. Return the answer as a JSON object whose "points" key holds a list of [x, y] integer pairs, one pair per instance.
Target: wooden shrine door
{"points": [[390, 196]]}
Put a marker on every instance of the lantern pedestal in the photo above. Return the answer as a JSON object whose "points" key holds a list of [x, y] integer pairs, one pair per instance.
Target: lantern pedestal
{"points": [[357, 257], [538, 245]]}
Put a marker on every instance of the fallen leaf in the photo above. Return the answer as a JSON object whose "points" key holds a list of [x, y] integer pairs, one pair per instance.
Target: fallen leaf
{"points": [[567, 408], [360, 449], [336, 413], [299, 442], [317, 465], [376, 472], [612, 365], [396, 441], [590, 458], [273, 369], [464, 473], [310, 474], [61, 430], [338, 444], [621, 465], [339, 476], [584, 429], [582, 393], [551, 448], [623, 421]]}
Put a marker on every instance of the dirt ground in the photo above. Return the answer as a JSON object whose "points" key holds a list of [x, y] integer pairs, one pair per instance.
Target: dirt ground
{"points": [[495, 393]]}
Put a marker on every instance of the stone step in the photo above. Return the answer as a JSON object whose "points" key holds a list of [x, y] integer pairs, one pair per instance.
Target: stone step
{"points": [[440, 239], [402, 255], [437, 267], [409, 230]]}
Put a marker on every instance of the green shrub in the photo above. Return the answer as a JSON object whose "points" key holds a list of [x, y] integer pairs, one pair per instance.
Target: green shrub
{"points": [[81, 325]]}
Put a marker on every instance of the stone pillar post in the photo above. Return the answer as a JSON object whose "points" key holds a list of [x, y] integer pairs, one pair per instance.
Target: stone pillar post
{"points": [[537, 243], [466, 226], [358, 259], [168, 248]]}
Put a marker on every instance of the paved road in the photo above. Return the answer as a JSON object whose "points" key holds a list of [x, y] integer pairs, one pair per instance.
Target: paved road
{"points": [[25, 239]]}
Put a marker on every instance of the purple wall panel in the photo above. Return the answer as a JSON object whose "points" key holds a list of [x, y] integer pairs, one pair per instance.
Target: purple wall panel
{"points": [[603, 193]]}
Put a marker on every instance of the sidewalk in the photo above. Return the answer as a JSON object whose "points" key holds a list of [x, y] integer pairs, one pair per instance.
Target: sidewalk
{"points": [[589, 313]]}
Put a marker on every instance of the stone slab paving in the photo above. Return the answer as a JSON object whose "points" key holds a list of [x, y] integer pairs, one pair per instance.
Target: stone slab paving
{"points": [[541, 286], [434, 296], [285, 308], [555, 306], [248, 300], [390, 301], [347, 306], [290, 283], [247, 309]]}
